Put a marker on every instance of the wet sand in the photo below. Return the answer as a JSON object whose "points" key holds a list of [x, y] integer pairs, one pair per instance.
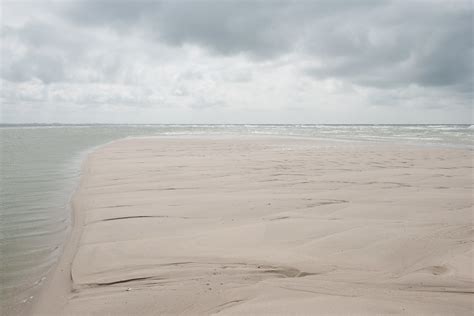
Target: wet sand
{"points": [[267, 226]]}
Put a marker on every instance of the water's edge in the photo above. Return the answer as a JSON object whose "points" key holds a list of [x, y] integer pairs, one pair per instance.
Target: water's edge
{"points": [[60, 270], [101, 136]]}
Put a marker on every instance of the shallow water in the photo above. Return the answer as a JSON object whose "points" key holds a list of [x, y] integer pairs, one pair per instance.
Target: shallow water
{"points": [[40, 165]]}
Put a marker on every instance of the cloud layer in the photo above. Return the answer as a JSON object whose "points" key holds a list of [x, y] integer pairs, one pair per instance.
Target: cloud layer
{"points": [[237, 61]]}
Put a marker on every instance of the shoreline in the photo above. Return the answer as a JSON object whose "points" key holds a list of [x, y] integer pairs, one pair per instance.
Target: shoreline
{"points": [[60, 271], [58, 282], [59, 285]]}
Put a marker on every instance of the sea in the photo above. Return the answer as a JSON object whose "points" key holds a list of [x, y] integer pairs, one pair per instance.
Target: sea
{"points": [[40, 166]]}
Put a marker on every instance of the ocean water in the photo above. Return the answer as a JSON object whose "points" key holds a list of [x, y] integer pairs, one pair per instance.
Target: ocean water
{"points": [[40, 167]]}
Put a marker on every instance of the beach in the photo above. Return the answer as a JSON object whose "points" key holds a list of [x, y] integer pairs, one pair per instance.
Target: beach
{"points": [[267, 225]]}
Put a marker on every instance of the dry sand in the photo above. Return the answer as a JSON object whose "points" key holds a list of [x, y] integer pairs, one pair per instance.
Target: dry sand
{"points": [[268, 226]]}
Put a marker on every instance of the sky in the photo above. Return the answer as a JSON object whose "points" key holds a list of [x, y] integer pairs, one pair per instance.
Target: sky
{"points": [[302, 62]]}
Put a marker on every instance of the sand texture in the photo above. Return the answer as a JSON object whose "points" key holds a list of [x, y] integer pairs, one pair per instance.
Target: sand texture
{"points": [[244, 226]]}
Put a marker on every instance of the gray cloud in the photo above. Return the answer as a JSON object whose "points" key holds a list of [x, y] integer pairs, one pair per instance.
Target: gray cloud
{"points": [[41, 50], [195, 54], [262, 29], [374, 43], [420, 44], [48, 68]]}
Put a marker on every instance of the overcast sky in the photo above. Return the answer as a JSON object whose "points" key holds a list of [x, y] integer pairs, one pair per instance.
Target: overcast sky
{"points": [[367, 61]]}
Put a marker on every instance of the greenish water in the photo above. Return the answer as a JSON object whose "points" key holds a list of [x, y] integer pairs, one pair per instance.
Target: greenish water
{"points": [[40, 166], [39, 171]]}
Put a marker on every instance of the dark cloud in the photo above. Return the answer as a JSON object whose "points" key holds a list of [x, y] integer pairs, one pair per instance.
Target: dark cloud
{"points": [[115, 13], [262, 29], [375, 43], [418, 44]]}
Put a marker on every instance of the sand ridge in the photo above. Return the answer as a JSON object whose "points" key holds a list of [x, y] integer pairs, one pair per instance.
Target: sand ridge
{"points": [[269, 226]]}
